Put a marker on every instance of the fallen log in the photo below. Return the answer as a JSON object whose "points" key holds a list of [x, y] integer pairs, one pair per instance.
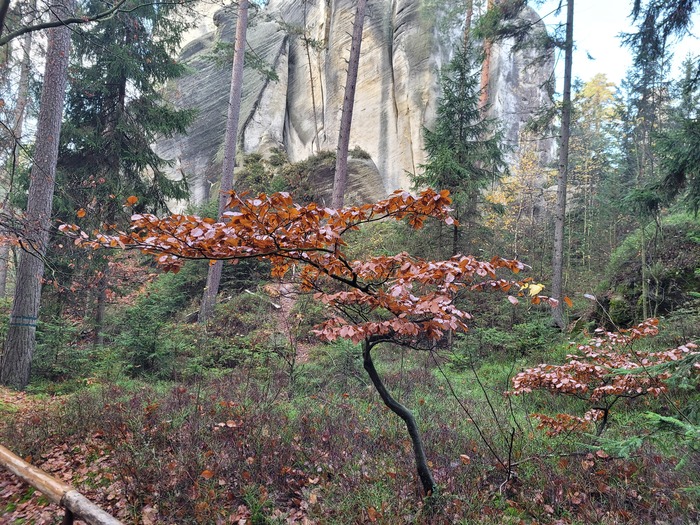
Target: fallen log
{"points": [[76, 505]]}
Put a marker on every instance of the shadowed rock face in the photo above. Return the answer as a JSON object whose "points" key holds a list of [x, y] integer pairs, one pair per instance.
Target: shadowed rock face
{"points": [[402, 50]]}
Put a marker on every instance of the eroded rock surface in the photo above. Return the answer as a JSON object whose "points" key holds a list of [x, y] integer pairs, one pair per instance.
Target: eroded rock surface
{"points": [[306, 44]]}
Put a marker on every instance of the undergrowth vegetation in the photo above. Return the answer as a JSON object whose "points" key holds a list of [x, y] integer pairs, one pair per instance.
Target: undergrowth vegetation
{"points": [[250, 417]]}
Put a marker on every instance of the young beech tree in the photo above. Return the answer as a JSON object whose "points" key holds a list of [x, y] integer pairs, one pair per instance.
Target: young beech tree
{"points": [[384, 299], [606, 370]]}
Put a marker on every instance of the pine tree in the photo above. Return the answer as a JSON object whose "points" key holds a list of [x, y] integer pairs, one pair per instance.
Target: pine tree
{"points": [[594, 155], [21, 336], [211, 289], [340, 180], [657, 21], [464, 149], [679, 145]]}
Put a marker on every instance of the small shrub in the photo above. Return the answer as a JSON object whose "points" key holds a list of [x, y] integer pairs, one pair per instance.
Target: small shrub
{"points": [[358, 153], [606, 370]]}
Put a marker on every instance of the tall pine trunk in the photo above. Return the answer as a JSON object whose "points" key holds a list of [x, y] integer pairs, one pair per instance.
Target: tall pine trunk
{"points": [[340, 181], [21, 336], [486, 67], [206, 309], [560, 211]]}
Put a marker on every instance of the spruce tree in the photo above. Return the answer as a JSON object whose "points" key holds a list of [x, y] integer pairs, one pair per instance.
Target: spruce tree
{"points": [[114, 112], [464, 148], [678, 146]]}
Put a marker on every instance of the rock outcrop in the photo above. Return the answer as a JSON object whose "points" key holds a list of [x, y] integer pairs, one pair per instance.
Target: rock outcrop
{"points": [[521, 83], [306, 44]]}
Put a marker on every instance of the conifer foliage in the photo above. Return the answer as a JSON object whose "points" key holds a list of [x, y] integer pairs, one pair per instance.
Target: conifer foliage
{"points": [[464, 147], [114, 111]]}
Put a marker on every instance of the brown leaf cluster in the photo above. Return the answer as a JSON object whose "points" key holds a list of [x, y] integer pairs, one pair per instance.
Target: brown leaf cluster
{"points": [[605, 369], [399, 298]]}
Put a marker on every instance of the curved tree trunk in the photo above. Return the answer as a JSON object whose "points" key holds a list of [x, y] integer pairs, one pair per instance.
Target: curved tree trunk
{"points": [[206, 309], [21, 336], [424, 474], [340, 181]]}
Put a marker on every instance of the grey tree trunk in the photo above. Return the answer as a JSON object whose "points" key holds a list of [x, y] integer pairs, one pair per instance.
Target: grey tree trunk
{"points": [[468, 23], [17, 129], [340, 181], [206, 309], [4, 264], [560, 211], [422, 468], [21, 336], [4, 8], [102, 286]]}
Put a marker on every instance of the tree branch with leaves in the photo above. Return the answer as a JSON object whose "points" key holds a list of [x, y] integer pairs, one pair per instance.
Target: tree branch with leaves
{"points": [[397, 299]]}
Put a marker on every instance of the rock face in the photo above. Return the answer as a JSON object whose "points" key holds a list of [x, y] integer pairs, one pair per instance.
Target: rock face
{"points": [[306, 44], [519, 87]]}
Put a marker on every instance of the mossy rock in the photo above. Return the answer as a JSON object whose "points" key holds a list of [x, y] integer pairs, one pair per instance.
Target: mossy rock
{"points": [[673, 260]]}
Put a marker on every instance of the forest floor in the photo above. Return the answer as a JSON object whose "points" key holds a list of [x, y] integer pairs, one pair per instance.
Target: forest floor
{"points": [[78, 462], [235, 450]]}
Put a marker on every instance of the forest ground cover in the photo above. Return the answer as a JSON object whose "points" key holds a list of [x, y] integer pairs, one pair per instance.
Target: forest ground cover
{"points": [[246, 445]]}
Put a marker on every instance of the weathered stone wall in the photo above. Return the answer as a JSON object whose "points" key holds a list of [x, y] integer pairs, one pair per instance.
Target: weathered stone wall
{"points": [[306, 43]]}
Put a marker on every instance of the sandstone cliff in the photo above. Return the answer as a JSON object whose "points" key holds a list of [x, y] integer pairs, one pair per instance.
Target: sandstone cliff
{"points": [[306, 43]]}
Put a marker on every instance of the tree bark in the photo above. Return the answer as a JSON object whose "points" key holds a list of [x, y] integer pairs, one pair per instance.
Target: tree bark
{"points": [[17, 129], [211, 289], [468, 23], [101, 306], [21, 336], [4, 8], [4, 264], [55, 490], [560, 211], [340, 181], [422, 468], [486, 68]]}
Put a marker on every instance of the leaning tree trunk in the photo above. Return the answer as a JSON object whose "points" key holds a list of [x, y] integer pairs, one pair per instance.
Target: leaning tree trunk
{"points": [[422, 468], [21, 336], [560, 211], [206, 309], [340, 181]]}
